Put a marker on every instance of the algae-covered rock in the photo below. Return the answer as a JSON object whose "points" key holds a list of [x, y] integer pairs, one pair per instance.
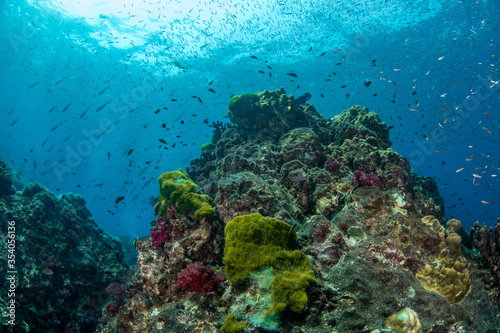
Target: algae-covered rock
{"points": [[265, 114], [427, 194]]}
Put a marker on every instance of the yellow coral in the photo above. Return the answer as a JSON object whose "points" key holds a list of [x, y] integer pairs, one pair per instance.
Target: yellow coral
{"points": [[453, 241], [447, 277], [434, 224], [405, 321], [454, 225]]}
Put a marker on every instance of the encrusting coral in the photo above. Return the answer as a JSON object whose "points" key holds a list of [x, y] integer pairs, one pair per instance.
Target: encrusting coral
{"points": [[177, 189], [254, 242]]}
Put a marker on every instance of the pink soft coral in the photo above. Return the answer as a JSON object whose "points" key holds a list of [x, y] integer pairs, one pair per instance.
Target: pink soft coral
{"points": [[363, 178], [199, 278]]}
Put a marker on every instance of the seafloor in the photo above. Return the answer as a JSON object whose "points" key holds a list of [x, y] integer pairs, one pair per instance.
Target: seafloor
{"points": [[288, 222]]}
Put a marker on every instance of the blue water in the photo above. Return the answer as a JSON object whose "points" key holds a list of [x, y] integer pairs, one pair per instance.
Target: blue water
{"points": [[82, 83]]}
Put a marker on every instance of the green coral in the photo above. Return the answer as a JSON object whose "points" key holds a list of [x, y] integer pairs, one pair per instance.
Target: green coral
{"points": [[254, 242], [232, 325], [241, 102], [208, 146], [176, 188]]}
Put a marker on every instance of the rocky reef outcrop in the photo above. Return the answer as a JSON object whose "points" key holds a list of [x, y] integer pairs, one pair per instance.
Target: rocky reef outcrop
{"points": [[381, 257], [60, 260]]}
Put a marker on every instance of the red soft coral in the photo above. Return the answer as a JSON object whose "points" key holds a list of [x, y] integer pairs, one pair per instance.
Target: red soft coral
{"points": [[160, 233], [199, 278]]}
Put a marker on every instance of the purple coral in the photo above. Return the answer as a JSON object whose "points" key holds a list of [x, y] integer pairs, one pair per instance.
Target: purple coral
{"points": [[199, 278], [112, 310], [117, 292], [51, 262], [332, 164], [363, 178], [160, 233], [394, 255]]}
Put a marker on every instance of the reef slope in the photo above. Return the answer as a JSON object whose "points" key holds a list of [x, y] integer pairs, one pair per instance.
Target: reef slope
{"points": [[381, 253]]}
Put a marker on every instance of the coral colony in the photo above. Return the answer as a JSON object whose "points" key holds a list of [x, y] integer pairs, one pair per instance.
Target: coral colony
{"points": [[160, 233], [287, 222]]}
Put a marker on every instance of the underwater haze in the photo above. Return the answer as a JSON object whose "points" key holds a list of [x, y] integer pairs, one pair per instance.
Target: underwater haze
{"points": [[101, 97]]}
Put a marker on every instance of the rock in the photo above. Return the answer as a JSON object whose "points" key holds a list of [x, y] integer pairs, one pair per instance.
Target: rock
{"points": [[6, 184], [63, 259]]}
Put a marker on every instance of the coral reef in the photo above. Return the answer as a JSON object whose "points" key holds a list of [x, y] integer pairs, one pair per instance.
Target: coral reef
{"points": [[64, 261], [6, 183], [357, 122], [363, 178], [448, 278], [309, 199]]}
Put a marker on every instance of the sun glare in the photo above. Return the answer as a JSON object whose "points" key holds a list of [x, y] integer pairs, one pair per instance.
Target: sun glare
{"points": [[126, 21]]}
